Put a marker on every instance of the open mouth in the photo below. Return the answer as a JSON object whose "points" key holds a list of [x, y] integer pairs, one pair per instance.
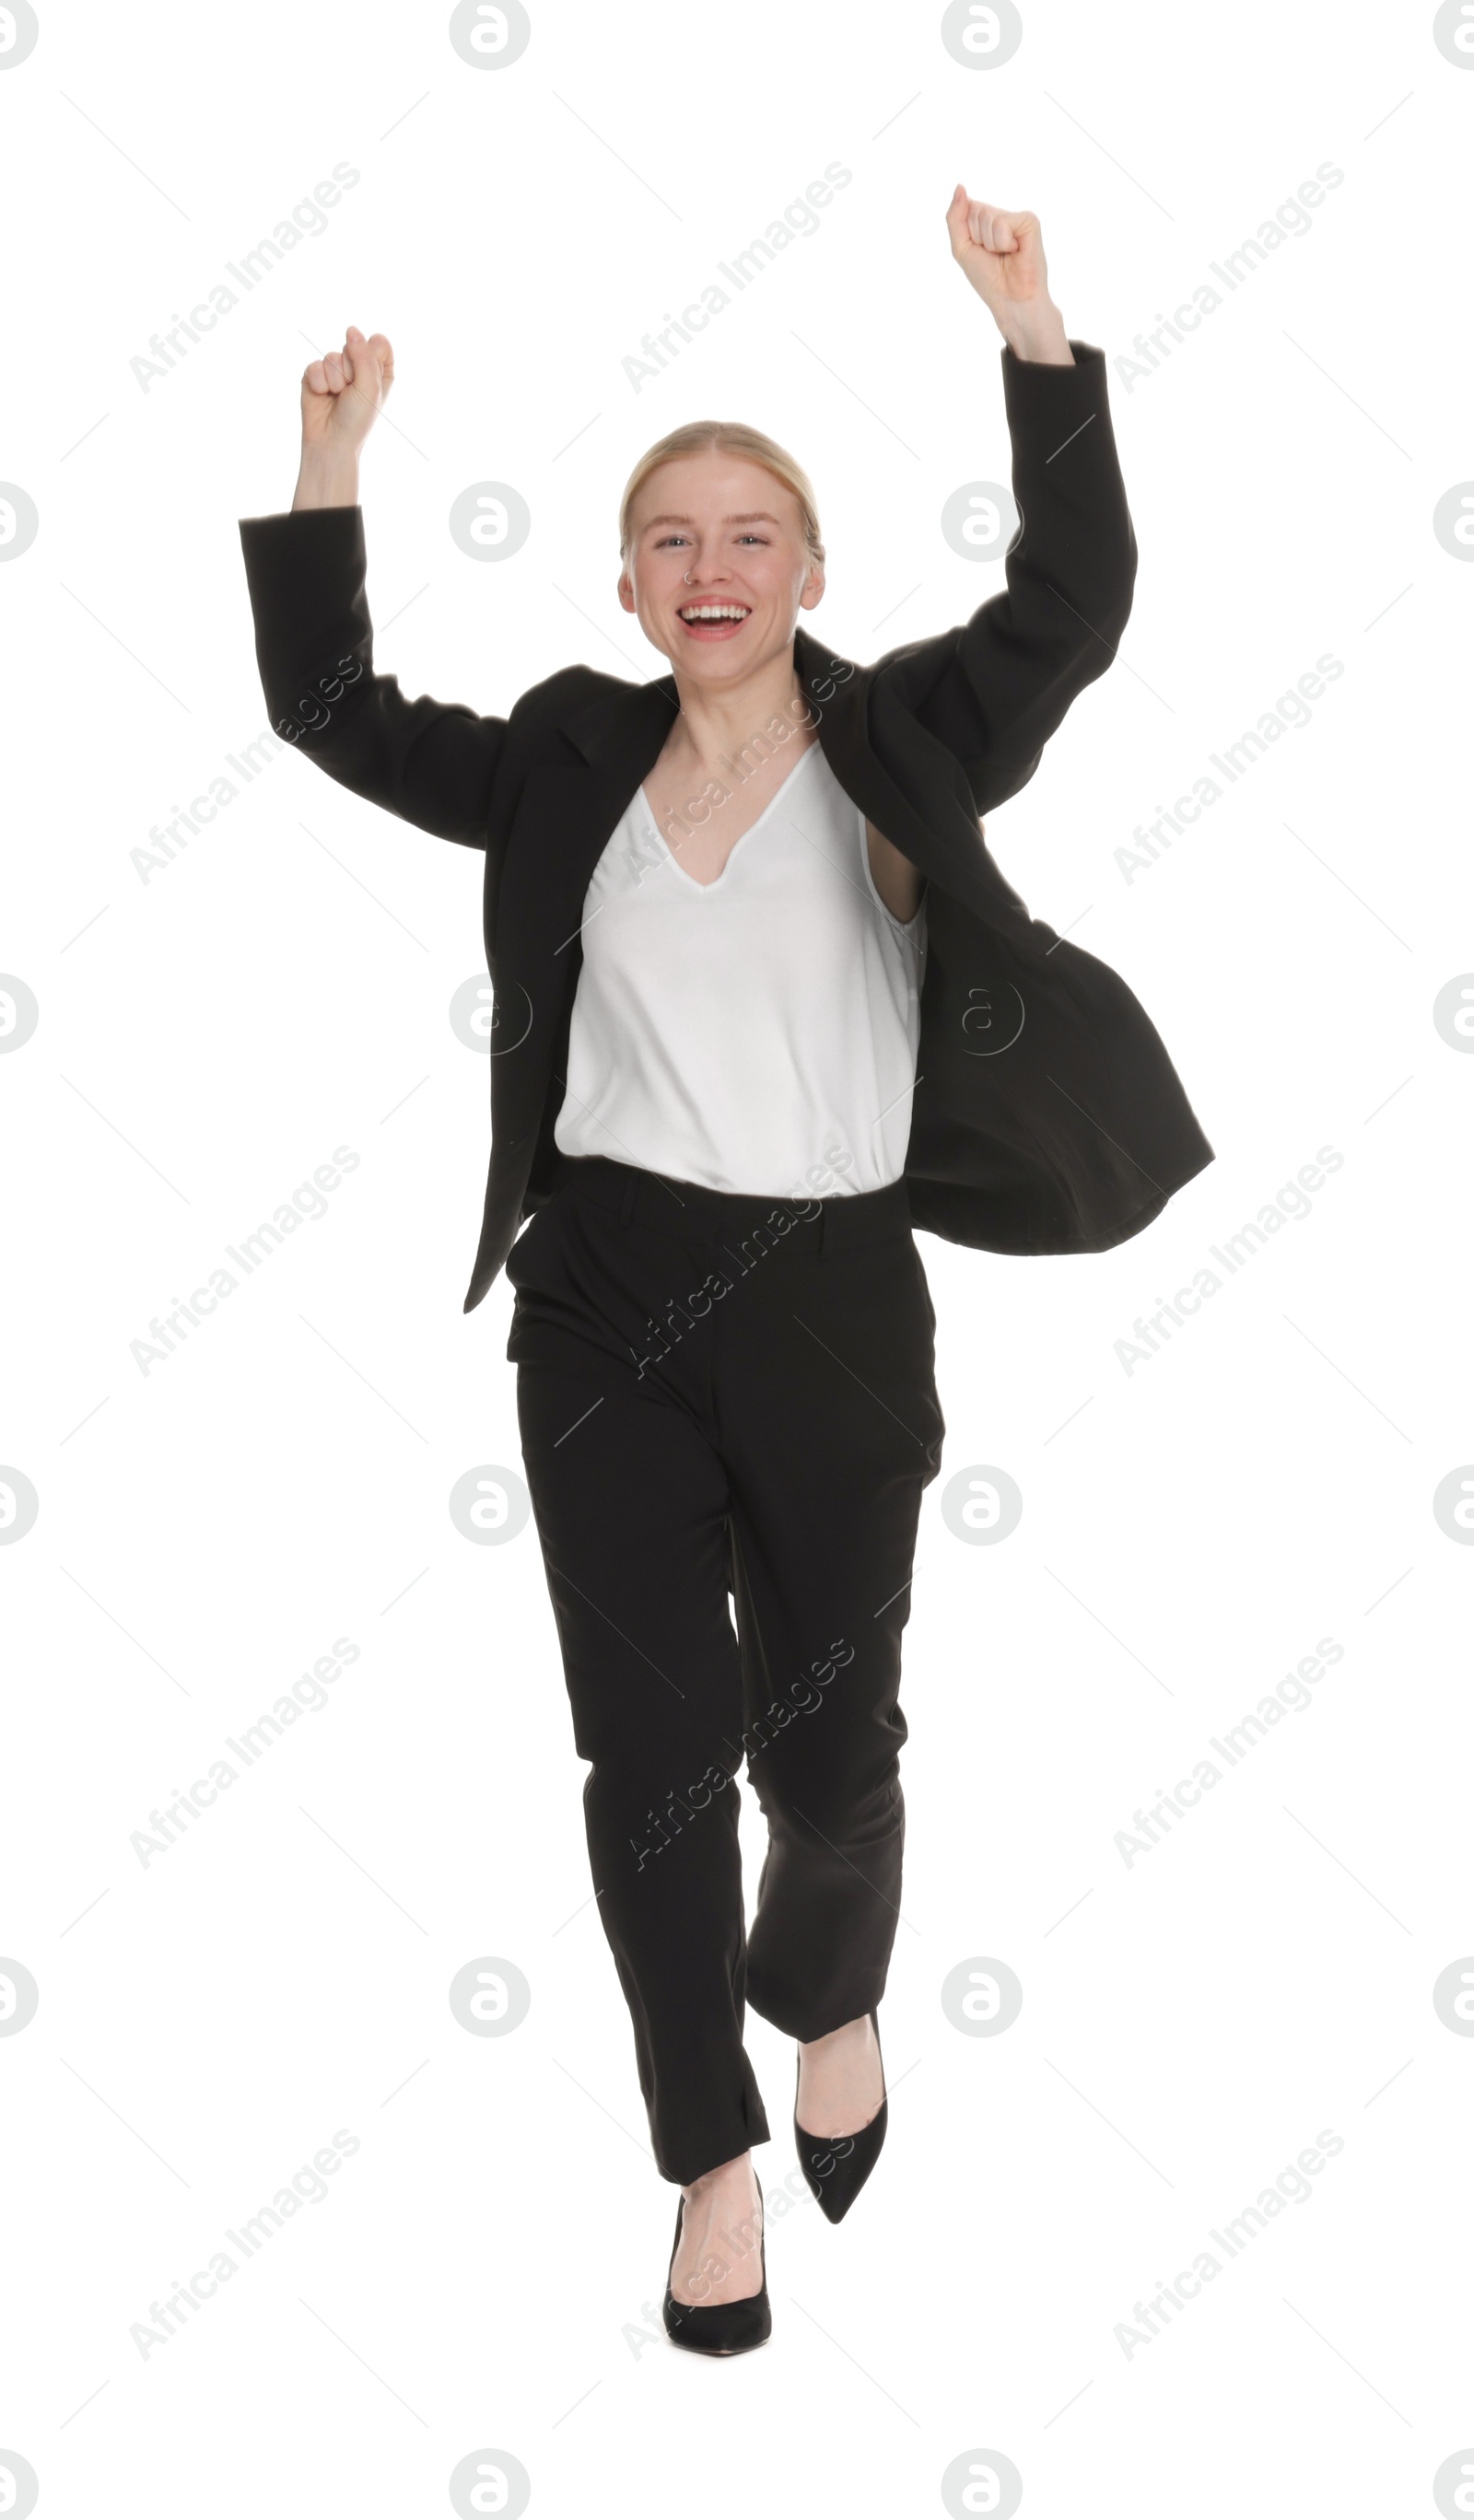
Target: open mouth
{"points": [[713, 620]]}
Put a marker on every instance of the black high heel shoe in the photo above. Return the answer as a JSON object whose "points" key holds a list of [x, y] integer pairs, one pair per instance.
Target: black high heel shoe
{"points": [[837, 2166], [724, 2326]]}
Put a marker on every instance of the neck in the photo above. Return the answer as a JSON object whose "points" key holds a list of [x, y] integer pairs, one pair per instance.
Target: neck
{"points": [[714, 724]]}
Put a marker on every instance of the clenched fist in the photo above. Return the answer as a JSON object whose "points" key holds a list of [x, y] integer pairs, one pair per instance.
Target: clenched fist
{"points": [[1002, 254], [342, 396]]}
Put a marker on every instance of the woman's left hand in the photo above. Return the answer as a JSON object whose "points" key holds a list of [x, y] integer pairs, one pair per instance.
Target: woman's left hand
{"points": [[1002, 254]]}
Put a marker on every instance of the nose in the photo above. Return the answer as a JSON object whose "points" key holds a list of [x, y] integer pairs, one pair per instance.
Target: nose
{"points": [[701, 571]]}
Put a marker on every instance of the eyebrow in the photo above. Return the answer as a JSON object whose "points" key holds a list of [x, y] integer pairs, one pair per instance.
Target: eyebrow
{"points": [[756, 517]]}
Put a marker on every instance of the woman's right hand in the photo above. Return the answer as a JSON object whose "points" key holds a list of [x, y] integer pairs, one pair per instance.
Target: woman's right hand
{"points": [[342, 396]]}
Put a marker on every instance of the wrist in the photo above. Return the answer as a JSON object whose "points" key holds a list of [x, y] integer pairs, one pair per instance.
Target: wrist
{"points": [[327, 478], [1040, 337]]}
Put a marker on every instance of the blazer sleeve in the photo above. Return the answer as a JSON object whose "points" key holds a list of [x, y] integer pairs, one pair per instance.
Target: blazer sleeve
{"points": [[995, 689], [431, 762]]}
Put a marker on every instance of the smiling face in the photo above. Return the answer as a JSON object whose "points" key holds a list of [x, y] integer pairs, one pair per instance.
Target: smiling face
{"points": [[717, 568]]}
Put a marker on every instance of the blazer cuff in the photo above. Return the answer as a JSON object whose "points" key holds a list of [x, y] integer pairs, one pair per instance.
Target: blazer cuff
{"points": [[1035, 385], [305, 569], [299, 537]]}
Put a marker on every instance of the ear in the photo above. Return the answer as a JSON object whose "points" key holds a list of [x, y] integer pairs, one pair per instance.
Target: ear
{"points": [[625, 591], [813, 588]]}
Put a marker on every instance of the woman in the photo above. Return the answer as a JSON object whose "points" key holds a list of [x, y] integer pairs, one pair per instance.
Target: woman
{"points": [[762, 1002]]}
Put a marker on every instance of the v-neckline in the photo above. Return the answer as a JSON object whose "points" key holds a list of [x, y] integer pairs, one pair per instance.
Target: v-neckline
{"points": [[743, 837]]}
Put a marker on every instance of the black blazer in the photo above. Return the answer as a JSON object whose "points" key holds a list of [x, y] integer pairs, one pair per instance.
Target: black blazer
{"points": [[1047, 1115]]}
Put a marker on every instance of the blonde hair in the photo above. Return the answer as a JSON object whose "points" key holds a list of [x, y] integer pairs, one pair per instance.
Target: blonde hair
{"points": [[726, 437]]}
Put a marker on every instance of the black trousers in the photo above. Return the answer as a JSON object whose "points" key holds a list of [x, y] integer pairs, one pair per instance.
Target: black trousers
{"points": [[722, 1395]]}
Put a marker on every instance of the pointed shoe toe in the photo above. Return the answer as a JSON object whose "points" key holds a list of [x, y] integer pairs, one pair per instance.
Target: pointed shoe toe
{"points": [[837, 2166]]}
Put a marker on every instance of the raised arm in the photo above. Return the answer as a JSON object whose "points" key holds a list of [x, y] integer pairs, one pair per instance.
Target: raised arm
{"points": [[431, 762], [995, 689]]}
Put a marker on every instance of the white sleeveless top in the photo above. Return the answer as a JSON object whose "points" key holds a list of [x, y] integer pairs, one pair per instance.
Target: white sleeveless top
{"points": [[756, 1034]]}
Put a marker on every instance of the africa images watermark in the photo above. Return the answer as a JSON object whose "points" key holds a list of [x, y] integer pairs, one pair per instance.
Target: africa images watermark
{"points": [[307, 1201], [248, 765], [307, 219], [308, 1694], [799, 219], [743, 763], [1292, 2186], [1291, 219], [779, 2202], [1293, 1692], [1233, 1254], [803, 1699], [1290, 710], [306, 2187], [762, 1238]]}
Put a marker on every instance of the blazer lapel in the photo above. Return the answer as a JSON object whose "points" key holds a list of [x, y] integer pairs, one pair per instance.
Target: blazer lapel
{"points": [[564, 816]]}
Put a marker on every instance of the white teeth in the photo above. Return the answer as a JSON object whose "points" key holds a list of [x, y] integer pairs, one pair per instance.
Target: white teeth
{"points": [[714, 612]]}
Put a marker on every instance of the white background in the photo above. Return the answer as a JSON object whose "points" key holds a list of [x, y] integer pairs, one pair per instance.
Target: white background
{"points": [[476, 2274]]}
